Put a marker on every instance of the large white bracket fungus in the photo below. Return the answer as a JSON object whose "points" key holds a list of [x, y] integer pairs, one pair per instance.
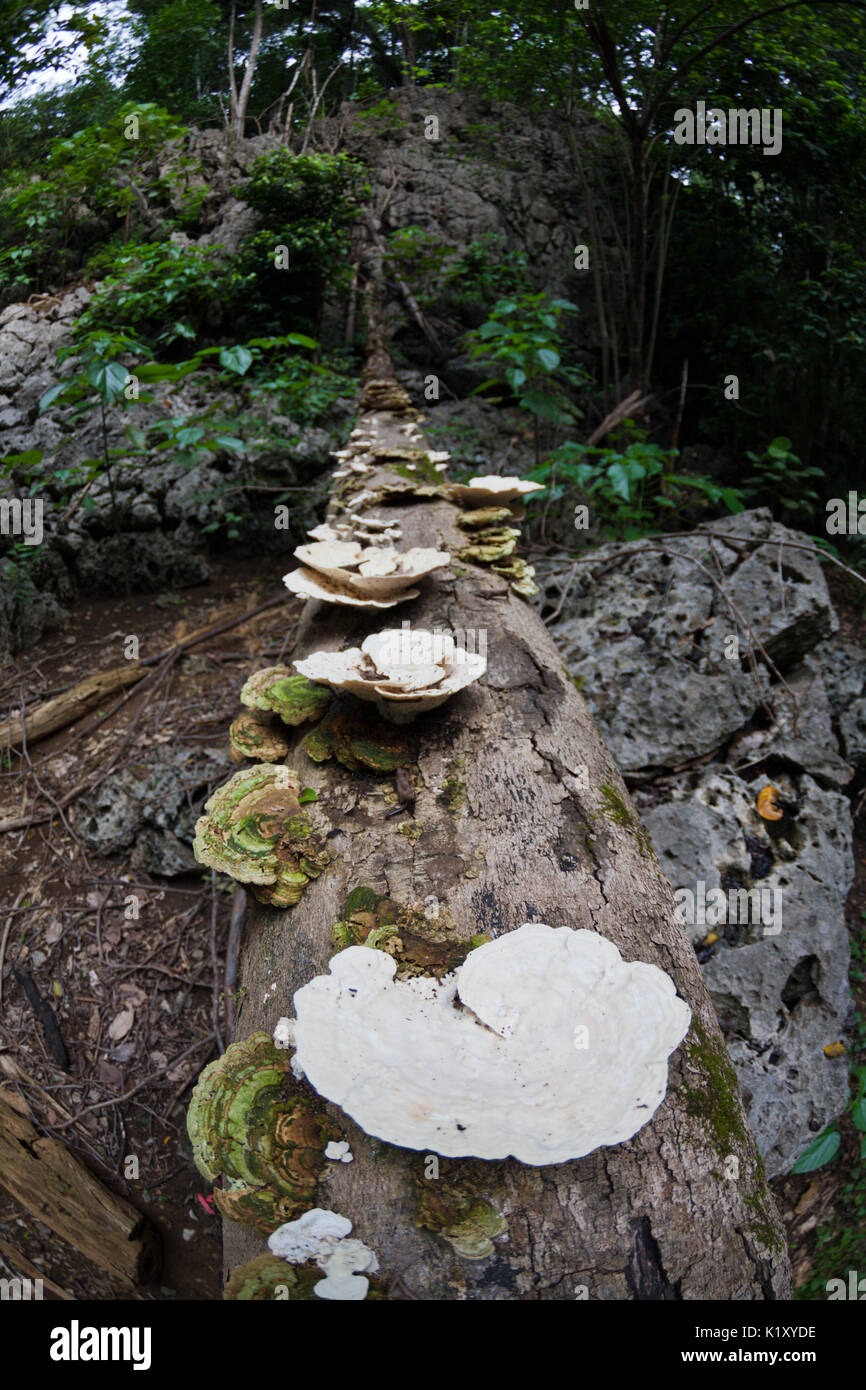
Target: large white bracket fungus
{"points": [[544, 1045], [371, 576], [320, 1235], [487, 490], [403, 673]]}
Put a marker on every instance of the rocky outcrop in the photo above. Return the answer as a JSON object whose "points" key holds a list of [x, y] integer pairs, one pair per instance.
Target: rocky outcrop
{"points": [[669, 642], [167, 510], [150, 808]]}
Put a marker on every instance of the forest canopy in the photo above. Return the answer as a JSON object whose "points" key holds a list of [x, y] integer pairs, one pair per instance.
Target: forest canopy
{"points": [[749, 266]]}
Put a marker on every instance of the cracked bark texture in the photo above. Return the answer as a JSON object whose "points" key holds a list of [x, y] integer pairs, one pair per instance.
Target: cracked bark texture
{"points": [[545, 832]]}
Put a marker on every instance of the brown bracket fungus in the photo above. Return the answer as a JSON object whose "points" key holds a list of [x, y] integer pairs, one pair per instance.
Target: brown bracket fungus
{"points": [[402, 673], [361, 576], [252, 1128], [543, 1045], [279, 690], [357, 741], [257, 736], [268, 1279], [255, 829]]}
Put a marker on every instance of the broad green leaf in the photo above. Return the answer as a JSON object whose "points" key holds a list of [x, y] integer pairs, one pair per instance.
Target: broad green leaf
{"points": [[28, 459], [191, 435], [820, 1152], [236, 359], [858, 1115], [548, 358], [51, 395], [157, 371], [108, 379]]}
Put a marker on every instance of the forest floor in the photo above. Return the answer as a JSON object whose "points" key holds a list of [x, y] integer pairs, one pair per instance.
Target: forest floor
{"points": [[141, 1002]]}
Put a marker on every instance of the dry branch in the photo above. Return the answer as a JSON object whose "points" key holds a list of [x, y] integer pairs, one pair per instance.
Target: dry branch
{"points": [[66, 708]]}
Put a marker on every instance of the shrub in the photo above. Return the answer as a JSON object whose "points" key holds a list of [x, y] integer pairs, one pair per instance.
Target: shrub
{"points": [[305, 204]]}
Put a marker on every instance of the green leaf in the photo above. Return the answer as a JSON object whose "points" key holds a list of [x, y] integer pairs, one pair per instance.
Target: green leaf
{"points": [[191, 435], [819, 1153], [548, 358], [858, 1115], [237, 359], [51, 395], [155, 371], [108, 379], [622, 474], [541, 403], [25, 460], [308, 794], [515, 376], [229, 441]]}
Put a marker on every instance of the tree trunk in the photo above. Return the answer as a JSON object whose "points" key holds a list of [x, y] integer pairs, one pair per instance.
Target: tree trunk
{"points": [[521, 815], [240, 100]]}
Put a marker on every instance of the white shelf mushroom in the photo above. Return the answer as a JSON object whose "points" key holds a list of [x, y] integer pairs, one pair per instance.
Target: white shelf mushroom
{"points": [[321, 1235], [403, 673], [339, 571], [544, 1045], [490, 488]]}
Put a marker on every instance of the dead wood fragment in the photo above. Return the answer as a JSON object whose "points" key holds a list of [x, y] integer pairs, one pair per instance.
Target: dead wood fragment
{"points": [[54, 1186], [66, 708], [31, 1271]]}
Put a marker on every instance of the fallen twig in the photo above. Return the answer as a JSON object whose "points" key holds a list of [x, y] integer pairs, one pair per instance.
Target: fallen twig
{"points": [[46, 1016]]}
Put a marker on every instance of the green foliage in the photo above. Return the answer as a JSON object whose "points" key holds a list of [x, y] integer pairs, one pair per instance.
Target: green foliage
{"points": [[305, 204], [418, 257], [293, 189], [781, 479], [180, 59], [631, 489], [262, 372], [486, 271], [303, 389], [91, 182], [522, 336], [819, 1153], [162, 292]]}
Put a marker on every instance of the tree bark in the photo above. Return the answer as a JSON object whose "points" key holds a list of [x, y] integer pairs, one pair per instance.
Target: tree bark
{"points": [[521, 815]]}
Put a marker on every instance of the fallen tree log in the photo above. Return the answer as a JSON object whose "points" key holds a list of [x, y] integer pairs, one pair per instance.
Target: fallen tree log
{"points": [[519, 816], [65, 708], [53, 1185]]}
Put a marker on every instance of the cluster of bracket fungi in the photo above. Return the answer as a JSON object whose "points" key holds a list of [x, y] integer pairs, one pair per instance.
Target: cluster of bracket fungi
{"points": [[465, 1048]]}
